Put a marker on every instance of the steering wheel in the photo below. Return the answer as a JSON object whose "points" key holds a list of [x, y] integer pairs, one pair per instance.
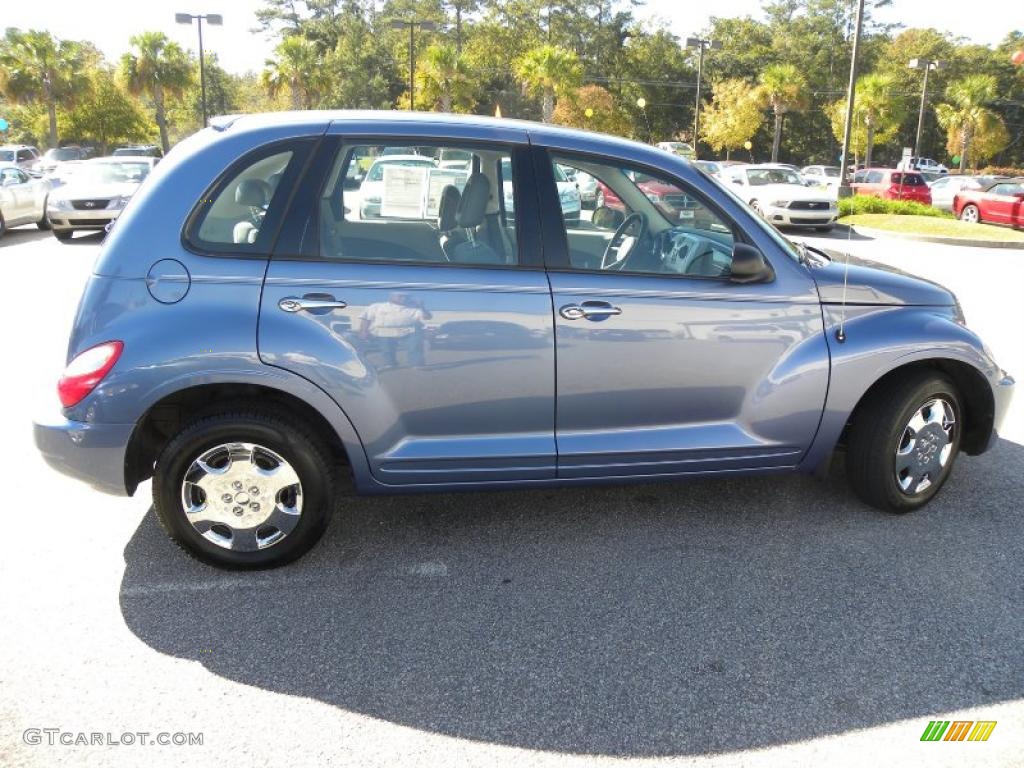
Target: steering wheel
{"points": [[622, 250]]}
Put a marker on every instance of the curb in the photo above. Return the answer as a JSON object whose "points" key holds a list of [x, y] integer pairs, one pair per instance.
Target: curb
{"points": [[962, 241]]}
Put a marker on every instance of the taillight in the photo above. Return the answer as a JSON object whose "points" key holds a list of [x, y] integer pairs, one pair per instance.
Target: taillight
{"points": [[86, 371]]}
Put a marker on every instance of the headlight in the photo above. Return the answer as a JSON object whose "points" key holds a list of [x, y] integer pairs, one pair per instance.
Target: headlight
{"points": [[120, 202], [59, 204], [779, 203]]}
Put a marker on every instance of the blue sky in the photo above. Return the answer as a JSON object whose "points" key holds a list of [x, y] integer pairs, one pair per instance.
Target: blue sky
{"points": [[109, 24]]}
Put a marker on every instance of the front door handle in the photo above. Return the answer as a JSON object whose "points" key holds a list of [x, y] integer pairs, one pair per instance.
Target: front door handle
{"points": [[592, 310], [295, 304]]}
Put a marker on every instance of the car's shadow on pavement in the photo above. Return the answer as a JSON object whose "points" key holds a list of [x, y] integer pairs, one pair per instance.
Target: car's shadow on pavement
{"points": [[640, 620], [22, 235]]}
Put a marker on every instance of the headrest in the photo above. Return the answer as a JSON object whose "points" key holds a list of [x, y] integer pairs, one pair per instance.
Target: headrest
{"points": [[252, 192], [448, 208], [474, 201]]}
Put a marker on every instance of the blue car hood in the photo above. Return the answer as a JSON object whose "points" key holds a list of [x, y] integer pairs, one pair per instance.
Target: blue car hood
{"points": [[871, 283]]}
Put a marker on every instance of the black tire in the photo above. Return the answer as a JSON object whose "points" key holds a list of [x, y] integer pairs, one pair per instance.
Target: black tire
{"points": [[63, 234], [277, 431], [44, 220], [875, 434], [3, 225]]}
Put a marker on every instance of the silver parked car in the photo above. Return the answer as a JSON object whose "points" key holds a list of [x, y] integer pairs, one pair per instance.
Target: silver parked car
{"points": [[246, 336], [22, 198], [946, 187], [21, 155], [95, 193]]}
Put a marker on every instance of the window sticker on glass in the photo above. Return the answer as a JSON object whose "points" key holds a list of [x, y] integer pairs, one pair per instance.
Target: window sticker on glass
{"points": [[402, 196], [440, 178]]}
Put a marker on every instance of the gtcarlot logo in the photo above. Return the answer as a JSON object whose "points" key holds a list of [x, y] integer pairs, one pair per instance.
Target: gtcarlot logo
{"points": [[53, 737]]}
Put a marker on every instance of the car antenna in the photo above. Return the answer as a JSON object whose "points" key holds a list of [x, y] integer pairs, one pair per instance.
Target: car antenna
{"points": [[841, 331]]}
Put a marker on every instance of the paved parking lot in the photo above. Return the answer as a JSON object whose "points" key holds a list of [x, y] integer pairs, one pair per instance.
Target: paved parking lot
{"points": [[742, 622]]}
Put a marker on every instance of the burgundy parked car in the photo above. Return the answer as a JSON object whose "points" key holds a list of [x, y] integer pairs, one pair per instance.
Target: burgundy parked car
{"points": [[1000, 203], [890, 184], [669, 199]]}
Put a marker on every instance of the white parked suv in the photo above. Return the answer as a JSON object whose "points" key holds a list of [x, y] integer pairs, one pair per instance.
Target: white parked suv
{"points": [[21, 155], [780, 195], [922, 164]]}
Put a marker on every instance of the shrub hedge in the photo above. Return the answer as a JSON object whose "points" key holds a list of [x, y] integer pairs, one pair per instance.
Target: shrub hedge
{"points": [[849, 206]]}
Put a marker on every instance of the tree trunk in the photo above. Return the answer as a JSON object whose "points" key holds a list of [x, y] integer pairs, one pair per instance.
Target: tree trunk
{"points": [[446, 102], [870, 145], [777, 141], [51, 111], [458, 29], [548, 106], [161, 118], [727, 152], [296, 94], [963, 151]]}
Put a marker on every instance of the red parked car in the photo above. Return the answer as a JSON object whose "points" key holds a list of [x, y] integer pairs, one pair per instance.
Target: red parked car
{"points": [[670, 200], [890, 184], [1000, 203]]}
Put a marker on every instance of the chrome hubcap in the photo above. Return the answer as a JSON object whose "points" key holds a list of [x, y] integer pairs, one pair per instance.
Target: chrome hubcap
{"points": [[925, 447], [242, 496], [970, 214]]}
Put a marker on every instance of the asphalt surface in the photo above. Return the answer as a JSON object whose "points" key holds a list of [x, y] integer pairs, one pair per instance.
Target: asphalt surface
{"points": [[771, 621]]}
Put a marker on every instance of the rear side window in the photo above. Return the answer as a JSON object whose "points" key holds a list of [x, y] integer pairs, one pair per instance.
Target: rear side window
{"points": [[245, 208], [874, 177], [439, 204]]}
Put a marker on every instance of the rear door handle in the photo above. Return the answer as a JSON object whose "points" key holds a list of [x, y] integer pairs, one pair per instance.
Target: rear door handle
{"points": [[592, 310], [295, 304]]}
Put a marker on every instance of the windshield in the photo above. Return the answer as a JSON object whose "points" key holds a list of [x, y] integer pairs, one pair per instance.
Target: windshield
{"points": [[758, 177], [61, 154], [7, 155], [111, 173], [832, 172]]}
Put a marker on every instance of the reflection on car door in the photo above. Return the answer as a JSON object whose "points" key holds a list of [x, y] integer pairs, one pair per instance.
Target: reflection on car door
{"points": [[444, 364]]}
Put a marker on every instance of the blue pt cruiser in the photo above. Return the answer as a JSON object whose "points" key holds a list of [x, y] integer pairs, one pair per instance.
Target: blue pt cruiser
{"points": [[246, 334]]}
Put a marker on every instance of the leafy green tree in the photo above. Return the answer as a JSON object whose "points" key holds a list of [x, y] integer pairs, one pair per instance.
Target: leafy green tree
{"points": [[733, 117], [37, 68], [549, 71], [593, 108], [296, 66], [783, 89], [966, 111], [877, 108], [106, 115], [159, 69], [444, 80]]}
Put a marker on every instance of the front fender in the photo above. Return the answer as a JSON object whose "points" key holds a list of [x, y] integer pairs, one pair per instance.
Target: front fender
{"points": [[880, 339]]}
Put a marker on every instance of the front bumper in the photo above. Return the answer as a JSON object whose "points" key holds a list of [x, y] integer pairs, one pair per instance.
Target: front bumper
{"points": [[93, 453], [1002, 394], [94, 219], [787, 217]]}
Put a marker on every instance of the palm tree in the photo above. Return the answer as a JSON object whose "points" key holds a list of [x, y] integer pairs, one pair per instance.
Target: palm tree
{"points": [[875, 106], [36, 68], [782, 88], [444, 79], [159, 69], [966, 112], [297, 65], [549, 71]]}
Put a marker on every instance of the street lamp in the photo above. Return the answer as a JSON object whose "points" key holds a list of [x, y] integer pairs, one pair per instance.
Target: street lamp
{"points": [[412, 24], [703, 45], [927, 65], [214, 19], [642, 103]]}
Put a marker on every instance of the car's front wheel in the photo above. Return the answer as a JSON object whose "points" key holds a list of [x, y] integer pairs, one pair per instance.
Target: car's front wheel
{"points": [[903, 442], [44, 220], [63, 234], [251, 489]]}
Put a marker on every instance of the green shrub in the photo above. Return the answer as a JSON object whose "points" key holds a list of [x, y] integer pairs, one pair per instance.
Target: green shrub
{"points": [[849, 206]]}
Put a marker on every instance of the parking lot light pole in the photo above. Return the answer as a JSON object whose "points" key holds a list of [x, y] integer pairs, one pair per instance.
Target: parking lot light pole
{"points": [[702, 45], [927, 65], [214, 19], [426, 26], [851, 94]]}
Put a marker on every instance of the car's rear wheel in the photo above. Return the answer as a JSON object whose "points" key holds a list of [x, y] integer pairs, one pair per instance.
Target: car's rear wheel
{"points": [[757, 208], [63, 234], [904, 441], [251, 489], [3, 225], [970, 214]]}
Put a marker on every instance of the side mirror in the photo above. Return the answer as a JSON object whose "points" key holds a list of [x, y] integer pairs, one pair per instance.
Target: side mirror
{"points": [[749, 265]]}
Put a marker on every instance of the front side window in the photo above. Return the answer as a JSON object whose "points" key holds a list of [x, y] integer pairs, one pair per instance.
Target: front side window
{"points": [[444, 204], [646, 223], [237, 215], [12, 176]]}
